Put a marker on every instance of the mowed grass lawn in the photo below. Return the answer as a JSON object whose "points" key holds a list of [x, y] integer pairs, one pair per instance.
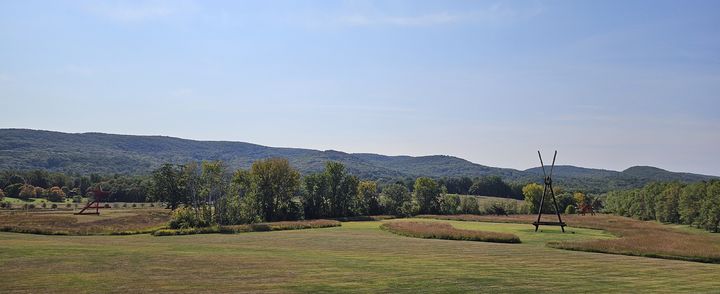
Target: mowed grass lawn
{"points": [[357, 257]]}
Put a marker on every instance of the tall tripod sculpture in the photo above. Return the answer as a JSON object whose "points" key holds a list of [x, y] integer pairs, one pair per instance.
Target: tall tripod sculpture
{"points": [[548, 191]]}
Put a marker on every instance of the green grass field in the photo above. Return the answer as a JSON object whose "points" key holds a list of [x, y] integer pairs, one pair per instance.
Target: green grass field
{"points": [[357, 257]]}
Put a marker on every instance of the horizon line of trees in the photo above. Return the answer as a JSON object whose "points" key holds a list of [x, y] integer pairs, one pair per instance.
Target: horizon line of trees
{"points": [[696, 204], [272, 190], [139, 188]]}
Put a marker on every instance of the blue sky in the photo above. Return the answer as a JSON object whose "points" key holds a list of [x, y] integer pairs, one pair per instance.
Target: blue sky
{"points": [[610, 84]]}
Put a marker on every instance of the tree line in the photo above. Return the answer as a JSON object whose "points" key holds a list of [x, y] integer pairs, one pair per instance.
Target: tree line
{"points": [[272, 190], [696, 204], [482, 186], [56, 186]]}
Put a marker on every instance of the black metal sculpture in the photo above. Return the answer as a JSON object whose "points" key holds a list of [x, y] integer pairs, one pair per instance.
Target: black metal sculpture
{"points": [[548, 187]]}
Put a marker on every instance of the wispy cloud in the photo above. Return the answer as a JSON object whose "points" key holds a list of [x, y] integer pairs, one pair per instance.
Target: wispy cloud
{"points": [[139, 11]]}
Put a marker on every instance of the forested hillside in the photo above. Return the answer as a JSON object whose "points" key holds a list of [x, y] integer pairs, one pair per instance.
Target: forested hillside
{"points": [[85, 153]]}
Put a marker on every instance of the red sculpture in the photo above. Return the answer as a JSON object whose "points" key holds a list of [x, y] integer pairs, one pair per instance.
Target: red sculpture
{"points": [[98, 195], [586, 208]]}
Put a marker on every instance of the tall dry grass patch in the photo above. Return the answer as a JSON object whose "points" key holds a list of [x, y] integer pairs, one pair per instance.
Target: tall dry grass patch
{"points": [[638, 238], [436, 230], [65, 223]]}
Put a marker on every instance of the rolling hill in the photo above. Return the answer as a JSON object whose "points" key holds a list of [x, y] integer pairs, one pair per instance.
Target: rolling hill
{"points": [[23, 149]]}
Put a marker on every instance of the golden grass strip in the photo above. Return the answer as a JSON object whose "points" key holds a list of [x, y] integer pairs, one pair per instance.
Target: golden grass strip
{"points": [[637, 238], [258, 227], [446, 231]]}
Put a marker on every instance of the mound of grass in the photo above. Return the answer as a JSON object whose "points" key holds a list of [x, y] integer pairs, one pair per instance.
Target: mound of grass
{"points": [[65, 223], [636, 238], [259, 227], [363, 218], [434, 230], [188, 231]]}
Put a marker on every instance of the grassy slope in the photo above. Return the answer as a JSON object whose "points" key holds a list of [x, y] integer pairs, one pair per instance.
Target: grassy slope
{"points": [[356, 257]]}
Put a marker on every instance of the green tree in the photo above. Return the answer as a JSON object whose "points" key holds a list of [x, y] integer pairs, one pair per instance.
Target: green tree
{"points": [[366, 202], [213, 190], [349, 194], [393, 197], [490, 186], [189, 185], [55, 194], [667, 205], [570, 209], [427, 195], [710, 208], [238, 203], [564, 200], [13, 190], [688, 207], [39, 178], [275, 183], [335, 176], [449, 204], [166, 185], [533, 192], [27, 192], [469, 205], [314, 198]]}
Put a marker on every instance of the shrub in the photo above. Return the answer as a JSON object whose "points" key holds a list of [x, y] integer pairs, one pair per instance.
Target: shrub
{"points": [[187, 231], [152, 204], [107, 205], [68, 205], [30, 206], [450, 204], [55, 194], [134, 205], [44, 204], [185, 217], [496, 208], [570, 209], [27, 192], [408, 209], [124, 205], [53, 206], [262, 227], [5, 205]]}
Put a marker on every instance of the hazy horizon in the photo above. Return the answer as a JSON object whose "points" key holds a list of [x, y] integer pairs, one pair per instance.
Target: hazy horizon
{"points": [[609, 85], [547, 156]]}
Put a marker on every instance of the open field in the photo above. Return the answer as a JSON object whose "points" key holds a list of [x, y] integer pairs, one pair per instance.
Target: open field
{"points": [[357, 257], [65, 223], [640, 238]]}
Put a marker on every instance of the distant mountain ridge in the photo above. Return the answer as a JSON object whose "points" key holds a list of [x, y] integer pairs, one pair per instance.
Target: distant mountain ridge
{"points": [[23, 149]]}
